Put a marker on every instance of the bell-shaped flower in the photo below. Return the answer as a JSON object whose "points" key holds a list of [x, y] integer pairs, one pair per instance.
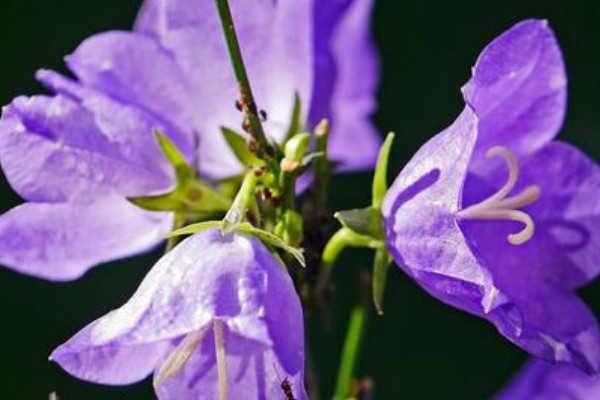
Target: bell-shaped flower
{"points": [[539, 380], [495, 217], [216, 315], [77, 155]]}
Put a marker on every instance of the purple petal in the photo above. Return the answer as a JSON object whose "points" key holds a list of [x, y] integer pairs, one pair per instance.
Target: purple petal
{"points": [[61, 241], [85, 358], [152, 18], [128, 125], [346, 80], [536, 279], [233, 278], [518, 91], [421, 229], [135, 69], [68, 156], [275, 38], [539, 380]]}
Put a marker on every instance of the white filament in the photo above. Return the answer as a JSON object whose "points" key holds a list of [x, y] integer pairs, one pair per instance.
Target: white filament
{"points": [[500, 207], [180, 355], [220, 355]]}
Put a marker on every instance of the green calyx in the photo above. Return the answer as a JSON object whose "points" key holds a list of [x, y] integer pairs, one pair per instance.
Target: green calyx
{"points": [[267, 238], [191, 196]]}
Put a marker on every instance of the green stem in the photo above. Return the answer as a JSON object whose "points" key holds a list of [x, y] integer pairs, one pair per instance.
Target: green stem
{"points": [[239, 69], [350, 352], [241, 203], [337, 243]]}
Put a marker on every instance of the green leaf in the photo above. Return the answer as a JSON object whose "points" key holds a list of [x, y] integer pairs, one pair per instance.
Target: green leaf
{"points": [[380, 178], [295, 124], [381, 265], [364, 221], [239, 145], [272, 240]]}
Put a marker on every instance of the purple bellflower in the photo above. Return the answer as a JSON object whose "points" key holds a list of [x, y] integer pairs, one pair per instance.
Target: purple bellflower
{"points": [[511, 247], [539, 380], [216, 315], [77, 155]]}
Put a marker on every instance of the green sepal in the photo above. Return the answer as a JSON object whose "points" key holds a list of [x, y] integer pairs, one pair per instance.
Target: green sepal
{"points": [[230, 186], [183, 171], [191, 196], [307, 161], [239, 146], [364, 221], [245, 227], [343, 238], [194, 228], [381, 265], [310, 158], [290, 227], [273, 240], [241, 204], [380, 185]]}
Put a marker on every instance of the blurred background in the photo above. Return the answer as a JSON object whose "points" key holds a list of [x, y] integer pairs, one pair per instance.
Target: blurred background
{"points": [[420, 349]]}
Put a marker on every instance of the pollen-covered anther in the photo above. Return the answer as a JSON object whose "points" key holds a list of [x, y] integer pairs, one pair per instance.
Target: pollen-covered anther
{"points": [[500, 207]]}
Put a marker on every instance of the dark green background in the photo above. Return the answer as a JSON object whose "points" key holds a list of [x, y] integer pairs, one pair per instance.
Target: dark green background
{"points": [[421, 349]]}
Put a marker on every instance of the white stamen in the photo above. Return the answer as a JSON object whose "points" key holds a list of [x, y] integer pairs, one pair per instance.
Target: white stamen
{"points": [[528, 196], [180, 355], [220, 355], [513, 215], [513, 170], [500, 207]]}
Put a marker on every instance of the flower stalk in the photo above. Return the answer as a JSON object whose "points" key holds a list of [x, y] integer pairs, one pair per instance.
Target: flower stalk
{"points": [[322, 168], [247, 102], [350, 353]]}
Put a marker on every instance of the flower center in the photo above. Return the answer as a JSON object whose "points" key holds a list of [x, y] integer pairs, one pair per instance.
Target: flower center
{"points": [[500, 207]]}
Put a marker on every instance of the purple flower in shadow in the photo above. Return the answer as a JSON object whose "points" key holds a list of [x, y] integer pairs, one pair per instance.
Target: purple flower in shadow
{"points": [[511, 247], [216, 315], [77, 155], [540, 380]]}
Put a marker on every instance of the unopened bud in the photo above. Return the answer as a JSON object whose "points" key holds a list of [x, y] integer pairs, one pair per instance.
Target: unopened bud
{"points": [[322, 129], [297, 147], [289, 166]]}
